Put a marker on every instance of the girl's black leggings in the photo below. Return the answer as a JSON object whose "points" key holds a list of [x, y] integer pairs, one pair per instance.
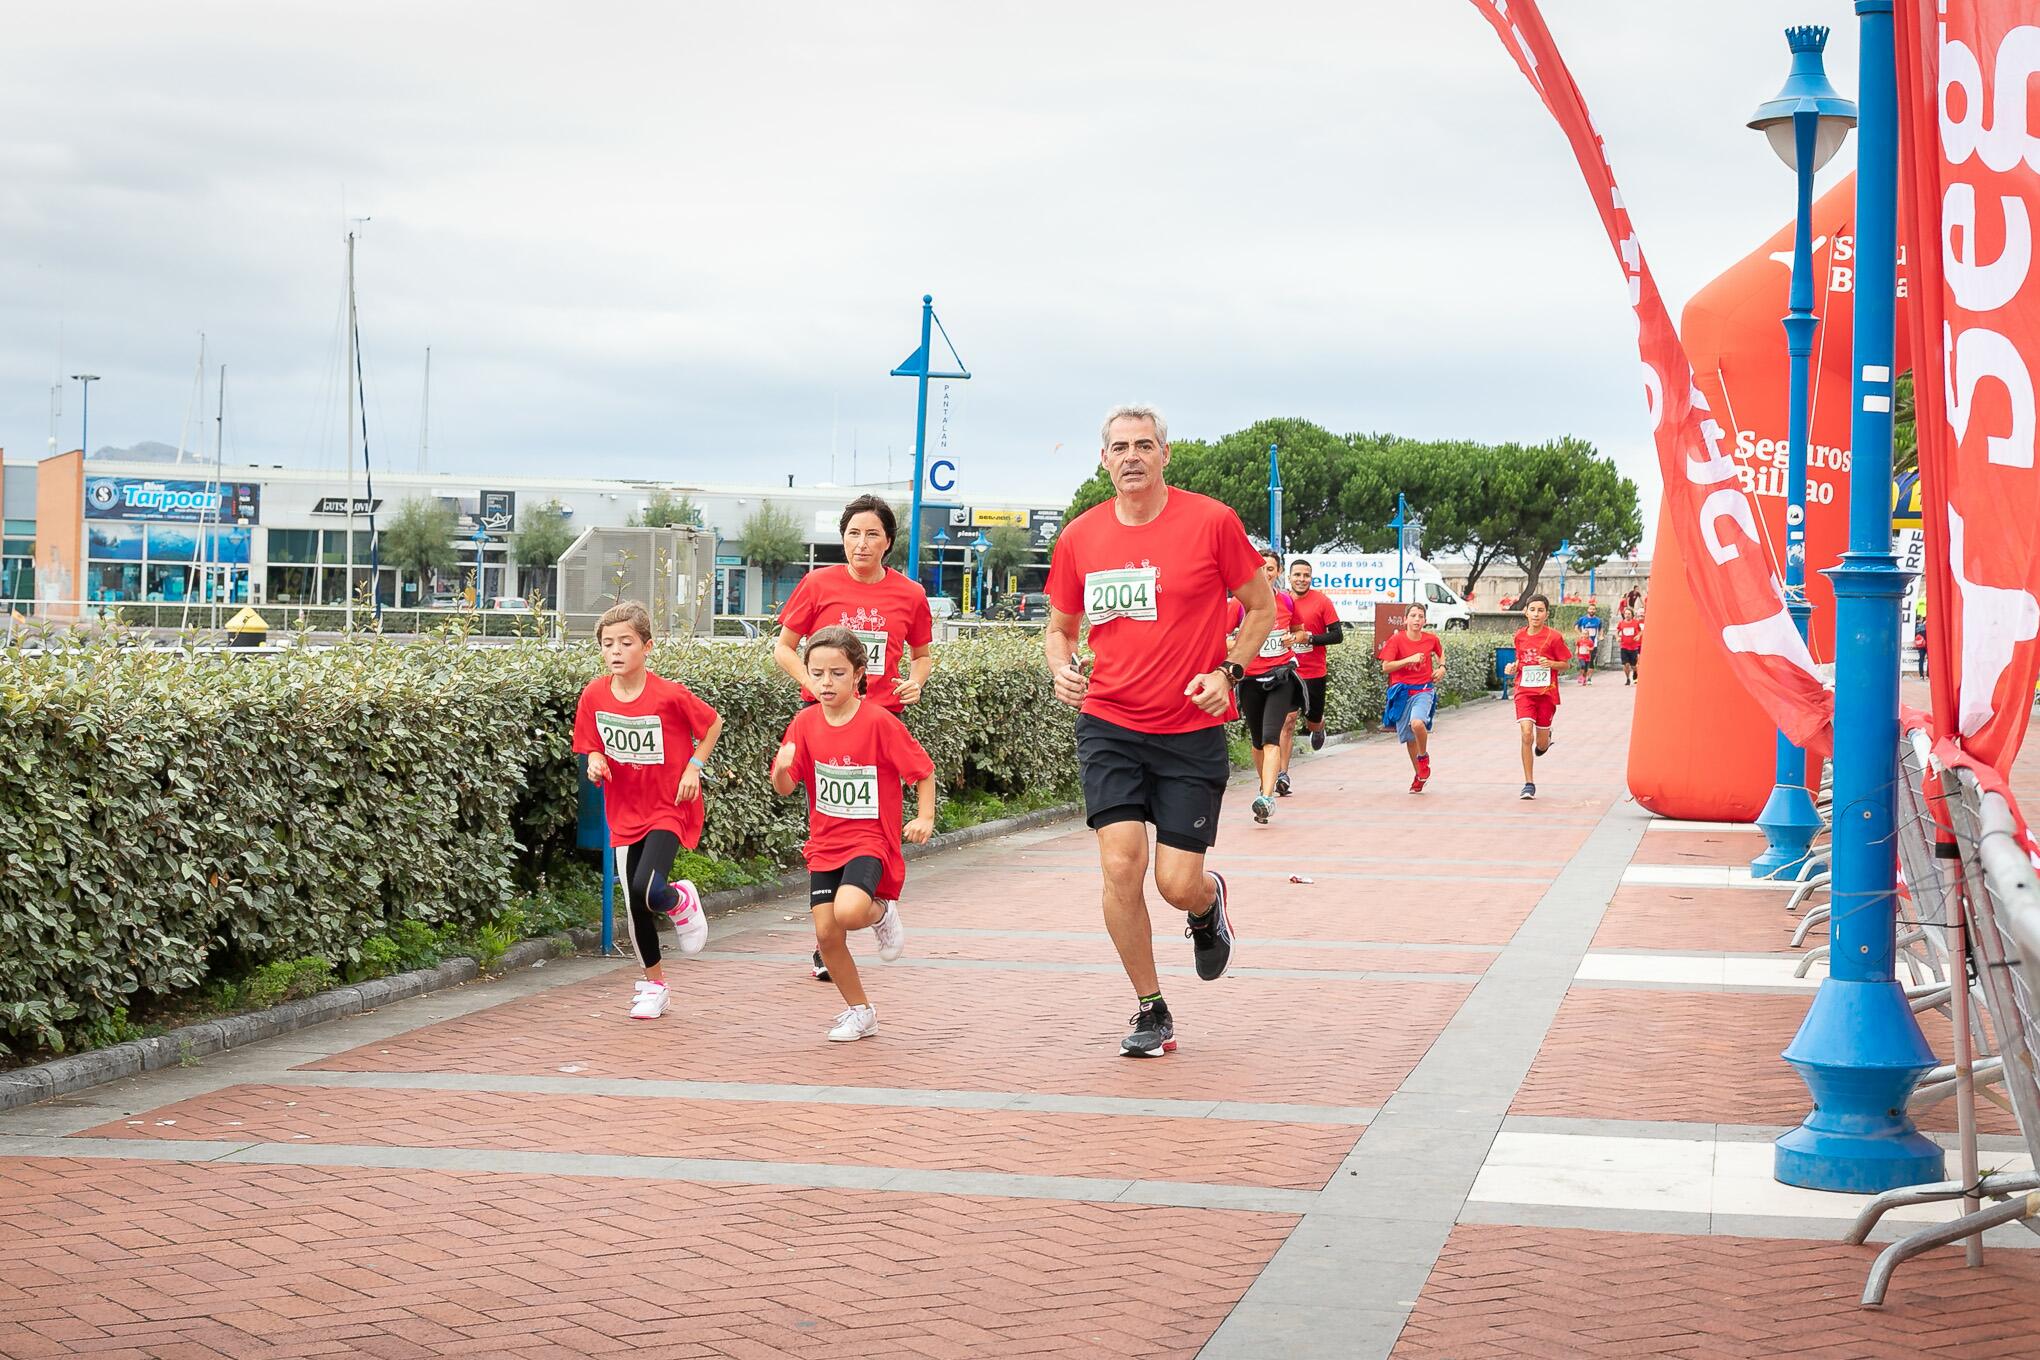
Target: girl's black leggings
{"points": [[642, 870]]}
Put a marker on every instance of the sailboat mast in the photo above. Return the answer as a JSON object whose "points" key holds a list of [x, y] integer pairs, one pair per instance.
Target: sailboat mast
{"points": [[425, 412], [347, 419], [219, 457]]}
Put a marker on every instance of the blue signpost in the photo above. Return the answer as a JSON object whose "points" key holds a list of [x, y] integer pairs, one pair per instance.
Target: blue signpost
{"points": [[1400, 523], [1860, 1050], [1274, 499], [916, 366], [1806, 125]]}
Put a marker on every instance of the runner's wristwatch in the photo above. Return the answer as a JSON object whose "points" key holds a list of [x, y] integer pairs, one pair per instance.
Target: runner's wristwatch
{"points": [[1233, 671]]}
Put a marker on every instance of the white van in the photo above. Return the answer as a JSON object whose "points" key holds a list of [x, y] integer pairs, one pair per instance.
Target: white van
{"points": [[1356, 582]]}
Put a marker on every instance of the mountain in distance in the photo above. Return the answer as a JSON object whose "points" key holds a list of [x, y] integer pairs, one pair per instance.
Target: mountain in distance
{"points": [[148, 451]]}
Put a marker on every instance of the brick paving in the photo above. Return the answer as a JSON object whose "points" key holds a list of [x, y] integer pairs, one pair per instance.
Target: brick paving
{"points": [[519, 1170], [1508, 1292]]}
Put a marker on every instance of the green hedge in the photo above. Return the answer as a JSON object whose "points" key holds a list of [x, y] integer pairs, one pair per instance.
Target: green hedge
{"points": [[169, 818]]}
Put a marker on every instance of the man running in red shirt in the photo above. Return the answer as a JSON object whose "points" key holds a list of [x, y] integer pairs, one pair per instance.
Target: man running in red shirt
{"points": [[1541, 657], [1314, 626], [1629, 642], [1152, 569]]}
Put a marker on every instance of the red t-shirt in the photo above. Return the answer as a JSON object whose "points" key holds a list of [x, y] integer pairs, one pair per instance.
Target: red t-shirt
{"points": [[1275, 650], [890, 615], [647, 742], [1156, 595], [1583, 646], [1426, 645], [854, 803], [1548, 646], [1315, 614], [1629, 634]]}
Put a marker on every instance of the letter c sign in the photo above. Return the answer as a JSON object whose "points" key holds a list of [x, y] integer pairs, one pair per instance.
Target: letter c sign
{"points": [[942, 475]]}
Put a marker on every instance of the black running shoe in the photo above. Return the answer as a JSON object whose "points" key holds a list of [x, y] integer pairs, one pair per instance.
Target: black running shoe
{"points": [[1282, 789], [821, 969], [1529, 791], [1317, 739], [1154, 1033], [1211, 937]]}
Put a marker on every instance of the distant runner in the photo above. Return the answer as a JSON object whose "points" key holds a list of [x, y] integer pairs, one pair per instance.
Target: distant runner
{"points": [[1629, 643], [1151, 569], [1413, 660], [1271, 695], [1540, 661], [1315, 626]]}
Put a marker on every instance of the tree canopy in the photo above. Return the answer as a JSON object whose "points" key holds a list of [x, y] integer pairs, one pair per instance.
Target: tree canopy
{"points": [[771, 539], [419, 538], [1485, 502], [665, 510]]}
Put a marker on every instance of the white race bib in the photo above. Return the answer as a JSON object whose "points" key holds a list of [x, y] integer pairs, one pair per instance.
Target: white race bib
{"points": [[633, 741], [1125, 594], [874, 645], [1534, 677], [847, 791], [1276, 644]]}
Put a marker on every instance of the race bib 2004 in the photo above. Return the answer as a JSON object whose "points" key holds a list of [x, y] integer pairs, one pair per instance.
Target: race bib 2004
{"points": [[874, 647], [847, 791], [1275, 644], [634, 741], [1535, 677], [1128, 593]]}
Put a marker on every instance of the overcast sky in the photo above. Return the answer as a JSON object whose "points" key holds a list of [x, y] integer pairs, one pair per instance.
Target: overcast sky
{"points": [[689, 240]]}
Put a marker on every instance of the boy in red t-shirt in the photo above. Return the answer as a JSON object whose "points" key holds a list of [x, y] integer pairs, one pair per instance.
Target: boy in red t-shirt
{"points": [[1583, 652], [647, 740], [853, 756], [1629, 643], [1538, 651], [1413, 659]]}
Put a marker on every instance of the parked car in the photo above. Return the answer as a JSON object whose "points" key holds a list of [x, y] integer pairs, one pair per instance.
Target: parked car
{"points": [[941, 606], [514, 603]]}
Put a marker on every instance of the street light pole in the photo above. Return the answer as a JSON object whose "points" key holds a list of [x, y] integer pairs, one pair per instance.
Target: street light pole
{"points": [[85, 381], [1399, 524], [1274, 499], [1806, 124], [1860, 1050]]}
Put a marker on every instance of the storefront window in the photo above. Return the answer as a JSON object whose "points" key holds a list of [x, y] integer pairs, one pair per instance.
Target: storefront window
{"points": [[170, 585], [114, 542], [229, 546], [291, 585], [293, 545], [335, 550], [114, 581]]}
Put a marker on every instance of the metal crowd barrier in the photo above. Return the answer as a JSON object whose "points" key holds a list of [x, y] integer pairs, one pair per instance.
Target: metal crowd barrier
{"points": [[1982, 915]]}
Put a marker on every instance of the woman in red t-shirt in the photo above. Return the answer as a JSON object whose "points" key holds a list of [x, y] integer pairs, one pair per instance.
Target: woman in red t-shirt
{"points": [[853, 757], [885, 609], [647, 740], [1537, 649]]}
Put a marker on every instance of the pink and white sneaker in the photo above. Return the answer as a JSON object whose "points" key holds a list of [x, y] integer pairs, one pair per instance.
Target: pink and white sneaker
{"points": [[650, 1001], [690, 922]]}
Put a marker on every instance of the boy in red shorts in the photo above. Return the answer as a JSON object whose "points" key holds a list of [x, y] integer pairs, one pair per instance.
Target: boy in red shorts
{"points": [[1541, 656]]}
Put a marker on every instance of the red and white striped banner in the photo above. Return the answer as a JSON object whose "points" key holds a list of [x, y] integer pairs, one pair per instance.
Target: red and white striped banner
{"points": [[1971, 191], [1741, 600]]}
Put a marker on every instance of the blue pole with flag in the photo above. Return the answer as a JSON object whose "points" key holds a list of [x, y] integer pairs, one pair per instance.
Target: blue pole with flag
{"points": [[915, 366]]}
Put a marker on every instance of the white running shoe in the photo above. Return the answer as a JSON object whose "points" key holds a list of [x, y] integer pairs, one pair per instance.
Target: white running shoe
{"points": [[690, 922], [650, 1002], [891, 932], [854, 1024]]}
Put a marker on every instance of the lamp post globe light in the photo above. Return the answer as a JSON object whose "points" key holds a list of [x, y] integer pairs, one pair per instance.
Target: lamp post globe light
{"points": [[1806, 125], [941, 542], [983, 577], [85, 381], [1860, 1050]]}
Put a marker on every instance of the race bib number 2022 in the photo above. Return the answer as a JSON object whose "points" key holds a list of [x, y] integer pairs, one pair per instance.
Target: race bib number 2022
{"points": [[1128, 593]]}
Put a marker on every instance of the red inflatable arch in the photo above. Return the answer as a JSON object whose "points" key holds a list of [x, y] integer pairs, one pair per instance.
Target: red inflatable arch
{"points": [[1700, 748]]}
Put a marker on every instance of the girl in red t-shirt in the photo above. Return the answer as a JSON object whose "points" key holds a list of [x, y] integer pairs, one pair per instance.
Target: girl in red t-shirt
{"points": [[1629, 642], [853, 756], [647, 740], [1537, 648]]}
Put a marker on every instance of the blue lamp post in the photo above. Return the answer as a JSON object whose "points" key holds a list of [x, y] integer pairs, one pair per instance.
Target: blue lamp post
{"points": [[1400, 523], [1274, 499], [916, 366], [1860, 1050], [1806, 125], [941, 542], [481, 539], [1564, 556], [980, 543], [85, 381]]}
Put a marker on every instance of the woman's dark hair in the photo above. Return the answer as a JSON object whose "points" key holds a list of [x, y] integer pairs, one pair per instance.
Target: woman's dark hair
{"points": [[1270, 555], [871, 505], [844, 641]]}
